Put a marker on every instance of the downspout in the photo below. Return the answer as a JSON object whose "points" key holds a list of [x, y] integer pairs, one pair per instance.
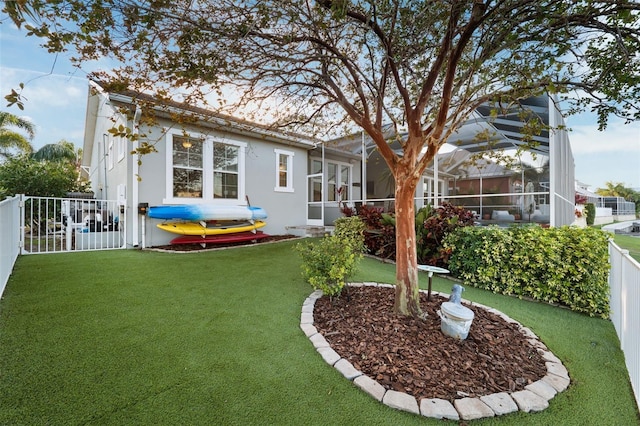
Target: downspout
{"points": [[553, 171], [105, 192], [134, 183]]}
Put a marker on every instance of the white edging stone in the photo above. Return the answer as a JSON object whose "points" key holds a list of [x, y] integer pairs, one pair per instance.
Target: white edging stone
{"points": [[319, 341], [401, 401], [501, 403], [308, 329], [370, 386], [438, 409], [528, 401], [472, 409], [329, 355], [534, 398], [557, 382], [542, 389], [347, 369]]}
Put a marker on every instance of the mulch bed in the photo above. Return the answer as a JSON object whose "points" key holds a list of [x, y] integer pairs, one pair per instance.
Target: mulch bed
{"points": [[413, 356]]}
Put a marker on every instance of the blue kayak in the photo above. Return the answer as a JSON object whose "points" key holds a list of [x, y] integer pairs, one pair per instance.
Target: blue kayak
{"points": [[207, 212]]}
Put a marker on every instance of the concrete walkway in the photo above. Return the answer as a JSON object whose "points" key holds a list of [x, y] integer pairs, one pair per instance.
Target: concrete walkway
{"points": [[620, 226], [534, 398]]}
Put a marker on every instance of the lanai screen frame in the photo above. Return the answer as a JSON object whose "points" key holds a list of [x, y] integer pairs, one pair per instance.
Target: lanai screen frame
{"points": [[504, 133]]}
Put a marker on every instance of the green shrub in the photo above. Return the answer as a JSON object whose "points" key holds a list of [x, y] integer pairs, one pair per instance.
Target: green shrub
{"points": [[564, 265], [350, 229], [590, 211], [329, 262]]}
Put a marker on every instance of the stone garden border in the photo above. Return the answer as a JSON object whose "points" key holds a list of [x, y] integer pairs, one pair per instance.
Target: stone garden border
{"points": [[535, 397]]}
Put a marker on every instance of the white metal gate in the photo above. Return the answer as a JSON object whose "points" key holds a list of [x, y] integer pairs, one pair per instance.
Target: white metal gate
{"points": [[52, 225]]}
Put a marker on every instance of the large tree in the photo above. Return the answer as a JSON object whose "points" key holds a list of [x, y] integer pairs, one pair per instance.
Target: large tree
{"points": [[328, 64]]}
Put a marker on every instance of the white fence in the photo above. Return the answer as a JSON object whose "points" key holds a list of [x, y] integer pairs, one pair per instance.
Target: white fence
{"points": [[624, 278], [624, 282], [54, 225], [9, 237]]}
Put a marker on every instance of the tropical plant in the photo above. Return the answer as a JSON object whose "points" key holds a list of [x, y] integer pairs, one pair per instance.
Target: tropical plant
{"points": [[380, 232], [61, 151], [24, 175], [433, 225], [11, 139], [319, 66]]}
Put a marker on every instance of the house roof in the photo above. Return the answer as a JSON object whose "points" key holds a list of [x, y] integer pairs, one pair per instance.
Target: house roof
{"points": [[203, 117]]}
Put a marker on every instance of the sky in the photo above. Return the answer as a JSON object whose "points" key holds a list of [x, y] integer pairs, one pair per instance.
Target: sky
{"points": [[56, 98]]}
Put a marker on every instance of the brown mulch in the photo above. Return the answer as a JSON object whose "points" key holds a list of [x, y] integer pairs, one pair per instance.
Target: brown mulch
{"points": [[414, 356]]}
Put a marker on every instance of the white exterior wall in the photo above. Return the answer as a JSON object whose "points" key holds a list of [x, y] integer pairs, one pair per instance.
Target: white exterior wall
{"points": [[283, 208]]}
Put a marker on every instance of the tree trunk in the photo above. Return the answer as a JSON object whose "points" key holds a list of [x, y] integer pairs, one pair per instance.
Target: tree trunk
{"points": [[407, 298]]}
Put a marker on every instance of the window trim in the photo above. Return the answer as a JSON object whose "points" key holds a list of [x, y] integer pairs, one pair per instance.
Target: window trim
{"points": [[122, 147], [349, 184], [289, 155], [207, 167]]}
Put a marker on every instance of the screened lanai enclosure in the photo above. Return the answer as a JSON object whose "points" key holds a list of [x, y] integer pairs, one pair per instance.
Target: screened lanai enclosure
{"points": [[488, 166]]}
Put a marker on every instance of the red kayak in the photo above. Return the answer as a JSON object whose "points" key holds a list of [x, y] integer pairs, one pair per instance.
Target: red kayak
{"points": [[220, 239]]}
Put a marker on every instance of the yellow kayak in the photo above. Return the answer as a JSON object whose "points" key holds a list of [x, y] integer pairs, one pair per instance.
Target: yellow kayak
{"points": [[197, 228]]}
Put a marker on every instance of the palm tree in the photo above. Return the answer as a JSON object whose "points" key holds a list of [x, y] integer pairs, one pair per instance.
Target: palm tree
{"points": [[616, 189], [11, 139], [61, 151]]}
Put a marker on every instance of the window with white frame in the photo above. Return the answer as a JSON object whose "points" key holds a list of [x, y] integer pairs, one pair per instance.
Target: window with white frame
{"points": [[204, 168], [338, 180], [225, 171], [187, 167], [284, 170]]}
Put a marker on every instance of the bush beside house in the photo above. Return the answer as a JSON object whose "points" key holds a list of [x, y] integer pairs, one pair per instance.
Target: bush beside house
{"points": [[564, 265], [328, 263]]}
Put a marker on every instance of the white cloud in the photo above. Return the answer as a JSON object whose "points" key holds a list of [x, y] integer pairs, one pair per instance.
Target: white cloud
{"points": [[618, 137]]}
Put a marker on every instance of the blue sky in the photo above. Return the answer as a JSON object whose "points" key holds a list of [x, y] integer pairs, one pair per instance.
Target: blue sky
{"points": [[56, 96]]}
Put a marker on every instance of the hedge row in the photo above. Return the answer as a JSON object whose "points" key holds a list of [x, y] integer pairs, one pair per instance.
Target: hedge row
{"points": [[565, 265]]}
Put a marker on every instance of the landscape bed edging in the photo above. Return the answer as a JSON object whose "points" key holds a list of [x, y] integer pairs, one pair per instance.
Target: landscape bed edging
{"points": [[535, 397]]}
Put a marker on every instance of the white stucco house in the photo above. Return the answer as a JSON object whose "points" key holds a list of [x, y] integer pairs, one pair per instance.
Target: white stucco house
{"points": [[204, 157], [212, 158]]}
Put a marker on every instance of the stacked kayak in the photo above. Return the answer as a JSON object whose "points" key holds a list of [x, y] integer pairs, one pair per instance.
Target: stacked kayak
{"points": [[208, 223]]}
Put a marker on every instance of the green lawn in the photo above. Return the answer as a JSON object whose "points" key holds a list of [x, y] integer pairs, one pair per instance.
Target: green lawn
{"points": [[130, 337], [630, 243]]}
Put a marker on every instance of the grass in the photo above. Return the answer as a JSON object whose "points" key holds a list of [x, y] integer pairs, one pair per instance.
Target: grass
{"points": [[130, 337], [629, 243]]}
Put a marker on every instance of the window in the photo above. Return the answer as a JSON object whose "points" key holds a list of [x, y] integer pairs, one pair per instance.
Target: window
{"points": [[284, 170], [204, 169], [338, 182], [225, 171], [187, 168]]}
